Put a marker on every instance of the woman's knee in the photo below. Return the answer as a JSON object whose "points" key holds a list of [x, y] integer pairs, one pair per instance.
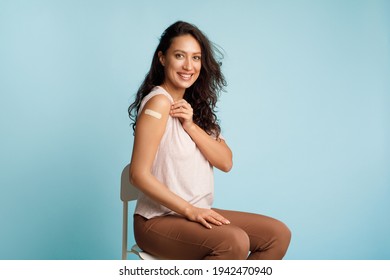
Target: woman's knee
{"points": [[285, 233], [274, 244], [235, 244], [283, 237]]}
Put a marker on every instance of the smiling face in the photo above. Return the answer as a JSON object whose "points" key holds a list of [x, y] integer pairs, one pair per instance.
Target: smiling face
{"points": [[182, 64]]}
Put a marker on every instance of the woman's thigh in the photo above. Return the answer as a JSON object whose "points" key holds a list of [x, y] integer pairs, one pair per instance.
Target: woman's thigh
{"points": [[174, 237]]}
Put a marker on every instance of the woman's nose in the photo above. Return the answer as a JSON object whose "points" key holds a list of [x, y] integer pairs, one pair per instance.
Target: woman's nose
{"points": [[187, 65]]}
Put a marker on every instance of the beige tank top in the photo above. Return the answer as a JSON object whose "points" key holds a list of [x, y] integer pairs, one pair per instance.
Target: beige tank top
{"points": [[179, 165]]}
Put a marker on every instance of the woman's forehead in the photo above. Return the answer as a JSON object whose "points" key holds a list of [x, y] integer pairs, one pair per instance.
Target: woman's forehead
{"points": [[185, 43]]}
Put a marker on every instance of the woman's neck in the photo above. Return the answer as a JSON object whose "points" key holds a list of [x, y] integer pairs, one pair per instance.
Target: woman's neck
{"points": [[176, 94]]}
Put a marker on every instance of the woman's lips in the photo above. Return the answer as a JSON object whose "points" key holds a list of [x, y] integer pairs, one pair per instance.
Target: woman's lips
{"points": [[185, 76]]}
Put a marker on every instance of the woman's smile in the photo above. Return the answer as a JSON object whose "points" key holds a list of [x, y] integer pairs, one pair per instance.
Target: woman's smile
{"points": [[185, 76]]}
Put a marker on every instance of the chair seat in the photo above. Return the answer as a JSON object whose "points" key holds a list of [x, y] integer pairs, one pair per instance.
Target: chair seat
{"points": [[142, 254]]}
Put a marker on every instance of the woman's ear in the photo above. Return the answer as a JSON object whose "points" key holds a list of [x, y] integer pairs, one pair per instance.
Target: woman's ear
{"points": [[161, 58]]}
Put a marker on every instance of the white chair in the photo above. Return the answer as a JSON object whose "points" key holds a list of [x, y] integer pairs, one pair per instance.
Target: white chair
{"points": [[129, 193]]}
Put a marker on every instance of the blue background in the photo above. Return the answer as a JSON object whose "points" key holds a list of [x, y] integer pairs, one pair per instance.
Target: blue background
{"points": [[306, 113]]}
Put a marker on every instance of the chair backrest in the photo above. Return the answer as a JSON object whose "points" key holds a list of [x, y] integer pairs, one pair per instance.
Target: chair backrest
{"points": [[128, 191]]}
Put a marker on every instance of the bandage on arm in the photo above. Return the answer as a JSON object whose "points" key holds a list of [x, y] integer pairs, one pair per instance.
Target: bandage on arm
{"points": [[152, 113]]}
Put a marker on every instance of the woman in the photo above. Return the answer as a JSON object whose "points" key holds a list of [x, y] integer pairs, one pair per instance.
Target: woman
{"points": [[177, 143]]}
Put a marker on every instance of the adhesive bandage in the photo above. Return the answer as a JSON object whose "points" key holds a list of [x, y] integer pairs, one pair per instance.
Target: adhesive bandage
{"points": [[153, 113]]}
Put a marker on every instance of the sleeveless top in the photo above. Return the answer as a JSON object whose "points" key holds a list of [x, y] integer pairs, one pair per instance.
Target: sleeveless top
{"points": [[180, 166]]}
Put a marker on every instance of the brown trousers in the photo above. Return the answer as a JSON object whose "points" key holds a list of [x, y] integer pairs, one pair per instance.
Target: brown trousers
{"points": [[249, 236]]}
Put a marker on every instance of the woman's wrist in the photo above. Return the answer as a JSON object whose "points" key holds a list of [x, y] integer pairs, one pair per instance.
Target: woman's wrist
{"points": [[189, 127], [188, 211]]}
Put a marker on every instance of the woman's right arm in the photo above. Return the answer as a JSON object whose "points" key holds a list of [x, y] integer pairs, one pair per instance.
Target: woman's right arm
{"points": [[148, 134]]}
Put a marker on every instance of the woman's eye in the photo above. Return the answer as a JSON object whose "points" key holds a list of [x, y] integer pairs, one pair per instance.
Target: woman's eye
{"points": [[178, 55], [197, 58]]}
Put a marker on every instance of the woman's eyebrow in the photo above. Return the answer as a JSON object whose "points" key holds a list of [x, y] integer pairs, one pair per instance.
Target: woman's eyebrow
{"points": [[178, 50]]}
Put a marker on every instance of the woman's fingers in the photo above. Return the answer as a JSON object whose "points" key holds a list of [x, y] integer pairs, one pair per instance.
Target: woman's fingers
{"points": [[181, 108], [205, 223], [220, 220], [181, 103], [208, 217], [215, 221]]}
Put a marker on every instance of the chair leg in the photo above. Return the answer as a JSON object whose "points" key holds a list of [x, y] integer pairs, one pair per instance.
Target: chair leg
{"points": [[124, 231]]}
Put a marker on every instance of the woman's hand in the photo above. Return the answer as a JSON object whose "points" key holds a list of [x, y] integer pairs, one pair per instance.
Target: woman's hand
{"points": [[205, 217], [215, 151], [182, 109]]}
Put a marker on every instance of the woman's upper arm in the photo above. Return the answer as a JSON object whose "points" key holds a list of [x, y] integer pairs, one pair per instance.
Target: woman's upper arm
{"points": [[148, 133]]}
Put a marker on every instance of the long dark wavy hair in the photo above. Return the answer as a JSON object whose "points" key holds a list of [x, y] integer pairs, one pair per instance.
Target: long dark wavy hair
{"points": [[203, 94]]}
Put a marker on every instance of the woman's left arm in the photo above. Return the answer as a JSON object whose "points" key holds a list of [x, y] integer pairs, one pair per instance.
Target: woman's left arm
{"points": [[216, 151]]}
